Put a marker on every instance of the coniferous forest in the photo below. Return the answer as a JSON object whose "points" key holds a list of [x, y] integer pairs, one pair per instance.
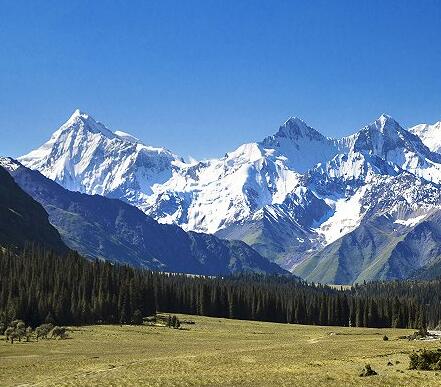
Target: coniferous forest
{"points": [[39, 286]]}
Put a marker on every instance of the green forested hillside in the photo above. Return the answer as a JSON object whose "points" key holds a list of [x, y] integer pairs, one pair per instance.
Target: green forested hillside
{"points": [[72, 290]]}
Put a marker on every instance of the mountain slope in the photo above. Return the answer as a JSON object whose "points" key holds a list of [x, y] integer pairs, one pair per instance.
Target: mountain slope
{"points": [[386, 139], [429, 134], [383, 248], [242, 183], [207, 196], [426, 244], [99, 227], [23, 220], [344, 261], [283, 232], [385, 175], [83, 155], [291, 194]]}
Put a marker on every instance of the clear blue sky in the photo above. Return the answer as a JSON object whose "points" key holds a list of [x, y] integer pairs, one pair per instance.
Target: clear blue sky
{"points": [[201, 77]]}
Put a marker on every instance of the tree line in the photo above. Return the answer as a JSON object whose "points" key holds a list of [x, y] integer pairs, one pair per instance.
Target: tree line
{"points": [[38, 286]]}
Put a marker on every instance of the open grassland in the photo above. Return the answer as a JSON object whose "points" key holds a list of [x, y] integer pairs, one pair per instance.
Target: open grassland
{"points": [[215, 352]]}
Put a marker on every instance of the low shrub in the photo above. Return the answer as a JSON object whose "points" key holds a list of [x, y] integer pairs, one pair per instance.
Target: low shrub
{"points": [[368, 371], [427, 360]]}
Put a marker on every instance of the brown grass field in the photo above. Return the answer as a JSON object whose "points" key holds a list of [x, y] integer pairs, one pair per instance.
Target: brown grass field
{"points": [[215, 352]]}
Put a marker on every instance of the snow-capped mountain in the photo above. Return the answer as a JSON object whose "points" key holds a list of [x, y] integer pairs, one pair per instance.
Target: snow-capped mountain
{"points": [[386, 139], [291, 193], [241, 183], [385, 169], [429, 134], [83, 155], [102, 228], [299, 146]]}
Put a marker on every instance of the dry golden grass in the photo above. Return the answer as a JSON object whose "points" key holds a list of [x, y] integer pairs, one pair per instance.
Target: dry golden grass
{"points": [[215, 352]]}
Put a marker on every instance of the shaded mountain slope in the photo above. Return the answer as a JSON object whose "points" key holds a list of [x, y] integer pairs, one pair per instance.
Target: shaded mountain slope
{"points": [[23, 220], [99, 227]]}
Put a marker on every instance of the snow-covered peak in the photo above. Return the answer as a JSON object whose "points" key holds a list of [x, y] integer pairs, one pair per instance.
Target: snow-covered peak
{"points": [[380, 137], [388, 126], [430, 135], [80, 121], [385, 119], [78, 113], [298, 145], [384, 124], [387, 140], [295, 128], [83, 155]]}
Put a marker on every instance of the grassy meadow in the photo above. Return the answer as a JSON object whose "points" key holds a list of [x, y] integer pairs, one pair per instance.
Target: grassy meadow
{"points": [[215, 352]]}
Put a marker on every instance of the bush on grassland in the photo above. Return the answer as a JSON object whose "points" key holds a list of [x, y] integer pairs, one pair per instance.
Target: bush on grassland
{"points": [[426, 360], [368, 371]]}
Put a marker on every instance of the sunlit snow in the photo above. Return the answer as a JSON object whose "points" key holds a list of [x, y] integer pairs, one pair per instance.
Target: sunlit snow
{"points": [[314, 185]]}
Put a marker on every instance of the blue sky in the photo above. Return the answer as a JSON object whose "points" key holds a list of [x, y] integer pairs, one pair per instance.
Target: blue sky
{"points": [[201, 77]]}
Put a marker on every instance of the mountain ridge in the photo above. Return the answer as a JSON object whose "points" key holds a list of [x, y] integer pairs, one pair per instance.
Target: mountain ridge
{"points": [[104, 228], [317, 187], [429, 134]]}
